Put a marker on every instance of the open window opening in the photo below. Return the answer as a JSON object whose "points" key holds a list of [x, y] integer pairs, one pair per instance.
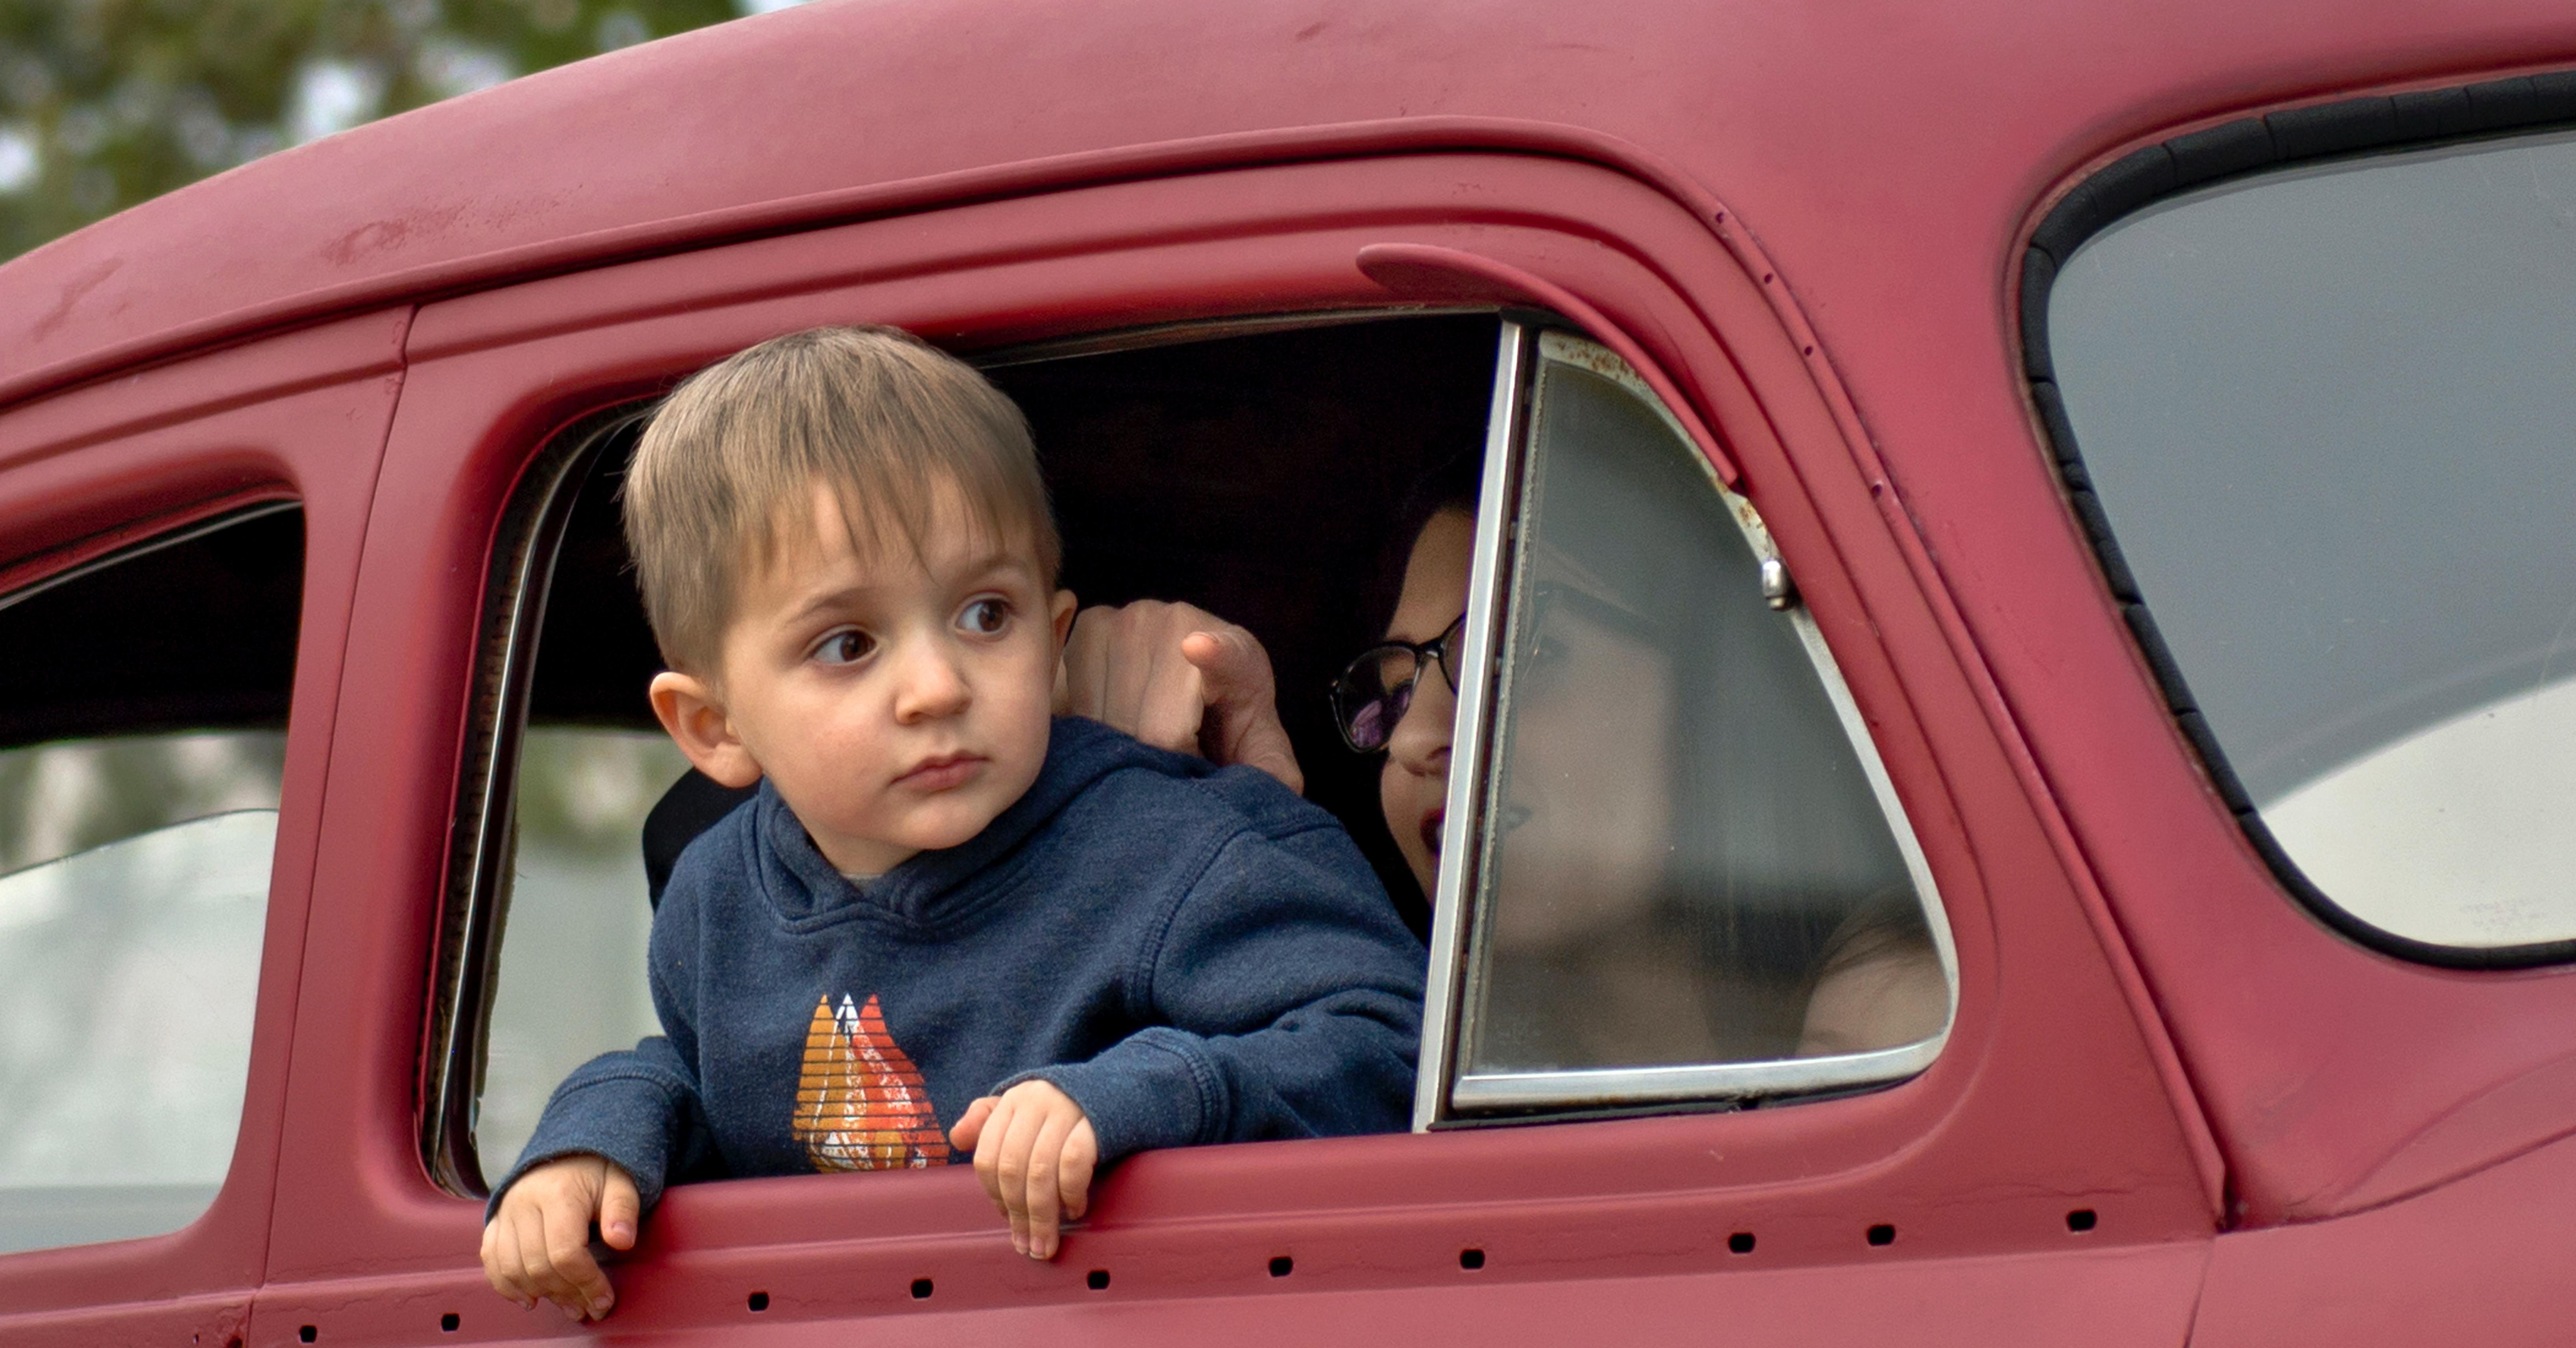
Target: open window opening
{"points": [[1258, 476], [1663, 837], [142, 745]]}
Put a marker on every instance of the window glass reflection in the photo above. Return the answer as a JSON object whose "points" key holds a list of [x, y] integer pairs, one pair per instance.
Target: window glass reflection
{"points": [[1687, 863]]}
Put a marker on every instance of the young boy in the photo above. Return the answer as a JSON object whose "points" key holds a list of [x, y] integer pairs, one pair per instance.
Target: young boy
{"points": [[948, 923]]}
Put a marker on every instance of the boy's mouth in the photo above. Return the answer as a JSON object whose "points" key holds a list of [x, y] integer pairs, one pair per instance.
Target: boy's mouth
{"points": [[1431, 829], [942, 773]]}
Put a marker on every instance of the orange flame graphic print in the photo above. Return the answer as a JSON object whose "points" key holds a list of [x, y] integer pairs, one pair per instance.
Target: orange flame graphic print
{"points": [[860, 1103]]}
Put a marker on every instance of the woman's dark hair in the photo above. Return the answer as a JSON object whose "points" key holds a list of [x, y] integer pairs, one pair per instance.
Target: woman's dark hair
{"points": [[1451, 488]]}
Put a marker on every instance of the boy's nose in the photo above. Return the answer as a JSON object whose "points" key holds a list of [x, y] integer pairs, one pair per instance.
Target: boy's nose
{"points": [[932, 684]]}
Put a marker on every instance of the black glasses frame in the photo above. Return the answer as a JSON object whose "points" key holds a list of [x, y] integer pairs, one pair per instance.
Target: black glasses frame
{"points": [[1348, 705]]}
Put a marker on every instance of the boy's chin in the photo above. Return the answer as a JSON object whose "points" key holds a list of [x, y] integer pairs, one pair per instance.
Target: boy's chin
{"points": [[942, 829]]}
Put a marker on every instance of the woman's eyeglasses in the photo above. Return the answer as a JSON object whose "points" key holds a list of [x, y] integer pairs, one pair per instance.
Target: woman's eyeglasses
{"points": [[1371, 695]]}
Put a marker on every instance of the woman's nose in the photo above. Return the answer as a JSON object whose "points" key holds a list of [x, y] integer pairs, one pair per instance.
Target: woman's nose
{"points": [[1421, 739], [930, 683]]}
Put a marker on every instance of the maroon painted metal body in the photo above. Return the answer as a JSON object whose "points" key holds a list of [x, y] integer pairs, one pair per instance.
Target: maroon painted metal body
{"points": [[1805, 220]]}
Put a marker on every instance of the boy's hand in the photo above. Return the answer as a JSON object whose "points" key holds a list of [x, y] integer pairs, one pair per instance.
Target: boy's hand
{"points": [[1035, 1152], [1180, 678], [537, 1247]]}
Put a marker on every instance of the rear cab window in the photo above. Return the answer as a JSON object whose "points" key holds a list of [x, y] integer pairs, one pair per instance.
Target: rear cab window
{"points": [[2323, 411], [142, 745]]}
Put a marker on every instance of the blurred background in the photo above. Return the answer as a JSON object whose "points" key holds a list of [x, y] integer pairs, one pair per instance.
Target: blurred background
{"points": [[104, 103]]}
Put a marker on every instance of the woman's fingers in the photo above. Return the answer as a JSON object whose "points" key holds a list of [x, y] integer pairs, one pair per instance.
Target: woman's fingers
{"points": [[1242, 702], [1126, 668]]}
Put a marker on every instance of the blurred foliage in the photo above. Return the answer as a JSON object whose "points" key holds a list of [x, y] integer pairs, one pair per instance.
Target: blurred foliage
{"points": [[67, 797], [104, 103]]}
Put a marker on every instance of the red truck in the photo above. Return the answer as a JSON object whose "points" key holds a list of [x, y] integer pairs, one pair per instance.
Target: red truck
{"points": [[2088, 482]]}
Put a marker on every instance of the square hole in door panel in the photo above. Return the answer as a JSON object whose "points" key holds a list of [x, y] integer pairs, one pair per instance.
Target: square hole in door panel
{"points": [[142, 744], [1259, 477]]}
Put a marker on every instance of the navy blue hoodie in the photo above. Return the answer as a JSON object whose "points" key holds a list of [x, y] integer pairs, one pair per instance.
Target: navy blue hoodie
{"points": [[1194, 955]]}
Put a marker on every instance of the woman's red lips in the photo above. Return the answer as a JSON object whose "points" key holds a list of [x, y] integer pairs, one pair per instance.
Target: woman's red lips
{"points": [[939, 774], [1431, 829]]}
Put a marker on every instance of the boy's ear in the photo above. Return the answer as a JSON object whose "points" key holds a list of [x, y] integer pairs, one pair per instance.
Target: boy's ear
{"points": [[697, 723], [1062, 615]]}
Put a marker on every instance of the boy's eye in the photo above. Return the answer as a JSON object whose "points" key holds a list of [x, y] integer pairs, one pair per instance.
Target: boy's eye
{"points": [[985, 616], [845, 648]]}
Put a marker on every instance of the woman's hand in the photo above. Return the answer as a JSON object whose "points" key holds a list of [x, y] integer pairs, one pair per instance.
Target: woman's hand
{"points": [[1178, 677], [1034, 1151]]}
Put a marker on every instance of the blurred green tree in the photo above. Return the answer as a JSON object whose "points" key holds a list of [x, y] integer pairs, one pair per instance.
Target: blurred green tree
{"points": [[104, 103]]}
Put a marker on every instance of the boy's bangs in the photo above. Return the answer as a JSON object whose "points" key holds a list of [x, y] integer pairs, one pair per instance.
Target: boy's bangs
{"points": [[888, 517]]}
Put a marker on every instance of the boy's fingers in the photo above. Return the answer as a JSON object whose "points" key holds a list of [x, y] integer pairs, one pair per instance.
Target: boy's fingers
{"points": [[536, 1275], [1044, 1199], [988, 1151], [501, 1260], [968, 1129], [620, 1208], [1012, 1170], [578, 1283], [1081, 1156]]}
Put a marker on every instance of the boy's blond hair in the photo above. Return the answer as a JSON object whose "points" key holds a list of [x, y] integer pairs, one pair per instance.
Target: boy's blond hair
{"points": [[726, 472]]}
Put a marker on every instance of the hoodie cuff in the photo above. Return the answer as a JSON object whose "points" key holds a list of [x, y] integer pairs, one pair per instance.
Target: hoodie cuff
{"points": [[1152, 1089], [628, 1119]]}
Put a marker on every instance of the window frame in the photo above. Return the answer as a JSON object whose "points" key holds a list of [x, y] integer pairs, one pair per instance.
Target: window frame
{"points": [[2236, 151]]}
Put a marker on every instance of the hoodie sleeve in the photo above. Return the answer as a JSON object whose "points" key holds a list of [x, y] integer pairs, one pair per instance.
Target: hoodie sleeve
{"points": [[640, 1108], [1285, 1000]]}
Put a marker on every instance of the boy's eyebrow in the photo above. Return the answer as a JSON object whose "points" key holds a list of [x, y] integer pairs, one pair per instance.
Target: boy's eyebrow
{"points": [[844, 596]]}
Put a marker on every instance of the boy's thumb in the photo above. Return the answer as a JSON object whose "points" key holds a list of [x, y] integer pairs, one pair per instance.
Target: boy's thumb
{"points": [[968, 1129], [619, 1209]]}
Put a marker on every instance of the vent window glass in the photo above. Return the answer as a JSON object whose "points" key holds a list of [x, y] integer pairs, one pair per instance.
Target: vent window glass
{"points": [[1694, 880]]}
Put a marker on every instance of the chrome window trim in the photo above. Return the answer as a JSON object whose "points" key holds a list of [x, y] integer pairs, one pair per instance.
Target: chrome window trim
{"points": [[1462, 841], [1440, 1098]]}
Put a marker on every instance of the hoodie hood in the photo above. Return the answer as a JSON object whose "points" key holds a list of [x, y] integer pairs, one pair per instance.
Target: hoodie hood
{"points": [[805, 888]]}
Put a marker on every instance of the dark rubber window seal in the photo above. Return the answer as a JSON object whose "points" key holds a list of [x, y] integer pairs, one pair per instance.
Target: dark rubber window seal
{"points": [[2415, 120]]}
